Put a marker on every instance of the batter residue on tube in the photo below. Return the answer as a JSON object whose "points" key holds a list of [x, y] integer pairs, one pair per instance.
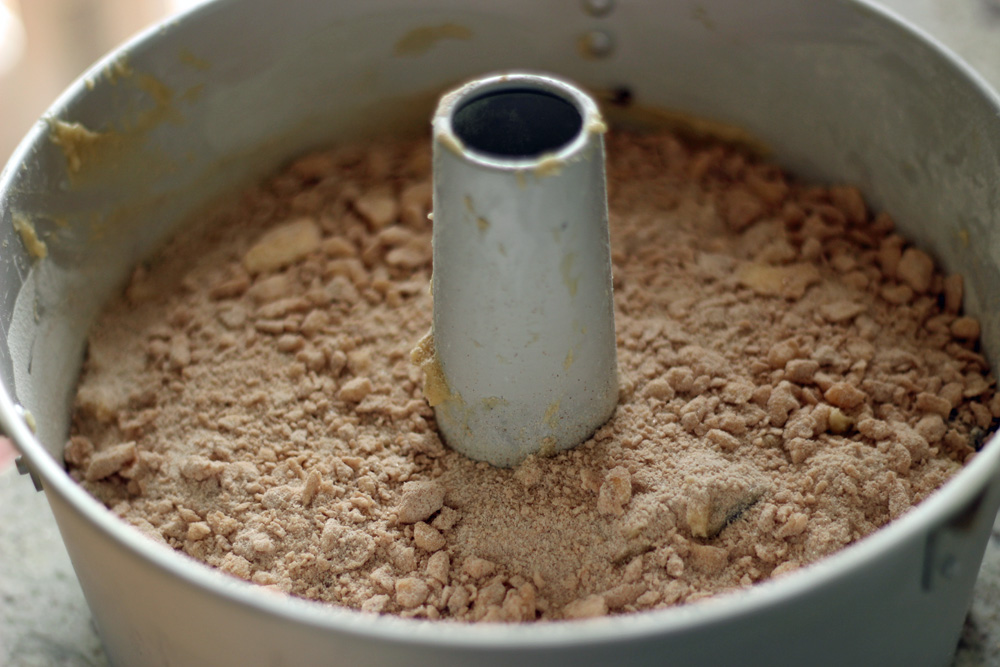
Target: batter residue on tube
{"points": [[596, 125], [548, 165], [794, 375], [452, 143], [435, 383]]}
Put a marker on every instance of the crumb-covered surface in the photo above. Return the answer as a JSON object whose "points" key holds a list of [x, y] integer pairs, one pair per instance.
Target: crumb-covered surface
{"points": [[794, 375]]}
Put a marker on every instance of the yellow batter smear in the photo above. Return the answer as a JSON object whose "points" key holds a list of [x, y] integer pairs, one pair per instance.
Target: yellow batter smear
{"points": [[597, 126], [29, 236], [421, 40], [119, 69], [90, 153], [191, 60], [566, 268], [29, 419], [549, 165], [551, 417], [76, 142], [436, 388], [451, 142]]}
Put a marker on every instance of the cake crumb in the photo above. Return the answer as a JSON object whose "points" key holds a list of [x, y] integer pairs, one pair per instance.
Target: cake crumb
{"points": [[419, 501], [109, 461], [592, 606], [794, 375], [283, 245], [411, 592], [427, 537]]}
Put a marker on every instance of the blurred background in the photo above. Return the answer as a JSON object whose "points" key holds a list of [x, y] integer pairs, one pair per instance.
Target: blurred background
{"points": [[46, 44]]}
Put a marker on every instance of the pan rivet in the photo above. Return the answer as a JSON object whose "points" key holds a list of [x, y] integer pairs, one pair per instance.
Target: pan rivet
{"points": [[598, 43], [598, 7]]}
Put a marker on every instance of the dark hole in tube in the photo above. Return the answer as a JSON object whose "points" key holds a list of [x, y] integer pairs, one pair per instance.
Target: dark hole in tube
{"points": [[516, 123]]}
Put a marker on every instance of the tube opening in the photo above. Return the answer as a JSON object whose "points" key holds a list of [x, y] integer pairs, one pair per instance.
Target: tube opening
{"points": [[516, 123]]}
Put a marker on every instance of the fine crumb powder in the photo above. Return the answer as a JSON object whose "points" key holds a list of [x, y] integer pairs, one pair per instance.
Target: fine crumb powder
{"points": [[793, 376]]}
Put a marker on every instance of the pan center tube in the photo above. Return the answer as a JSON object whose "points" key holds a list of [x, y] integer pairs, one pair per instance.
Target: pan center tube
{"points": [[521, 358]]}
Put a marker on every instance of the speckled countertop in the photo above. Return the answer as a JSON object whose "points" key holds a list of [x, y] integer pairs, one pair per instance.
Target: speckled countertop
{"points": [[44, 620]]}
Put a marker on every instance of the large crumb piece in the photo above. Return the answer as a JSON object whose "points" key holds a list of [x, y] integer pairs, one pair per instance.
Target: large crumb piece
{"points": [[345, 547], [282, 246], [717, 492], [589, 607], [411, 592], [789, 282], [419, 501], [615, 492], [109, 461], [379, 207]]}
